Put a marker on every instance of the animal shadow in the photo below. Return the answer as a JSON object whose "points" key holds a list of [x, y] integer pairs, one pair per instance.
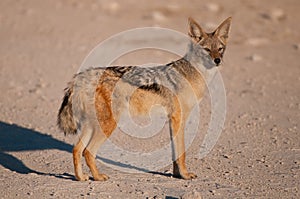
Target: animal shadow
{"points": [[14, 138]]}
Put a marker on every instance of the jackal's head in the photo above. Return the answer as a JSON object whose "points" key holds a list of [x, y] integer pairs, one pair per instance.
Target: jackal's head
{"points": [[214, 43]]}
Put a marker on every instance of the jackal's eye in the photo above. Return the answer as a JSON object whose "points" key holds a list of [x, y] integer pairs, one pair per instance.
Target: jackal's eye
{"points": [[221, 49], [207, 49]]}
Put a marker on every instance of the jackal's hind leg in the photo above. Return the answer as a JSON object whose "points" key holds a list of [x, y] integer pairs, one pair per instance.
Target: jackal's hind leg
{"points": [[77, 153], [107, 124], [90, 161], [90, 155]]}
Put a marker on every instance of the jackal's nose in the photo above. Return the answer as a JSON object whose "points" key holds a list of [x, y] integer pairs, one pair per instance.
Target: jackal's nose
{"points": [[217, 61]]}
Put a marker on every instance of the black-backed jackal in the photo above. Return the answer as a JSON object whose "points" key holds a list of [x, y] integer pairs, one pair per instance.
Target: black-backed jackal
{"points": [[95, 98]]}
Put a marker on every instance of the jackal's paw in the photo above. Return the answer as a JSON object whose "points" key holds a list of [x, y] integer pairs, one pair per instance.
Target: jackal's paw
{"points": [[189, 176], [83, 177], [101, 177]]}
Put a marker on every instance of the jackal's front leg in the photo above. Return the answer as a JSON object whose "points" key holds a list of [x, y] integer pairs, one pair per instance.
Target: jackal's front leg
{"points": [[179, 169], [177, 133]]}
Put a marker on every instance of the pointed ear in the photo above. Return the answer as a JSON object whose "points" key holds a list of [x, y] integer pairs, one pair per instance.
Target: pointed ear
{"points": [[195, 31], [223, 30]]}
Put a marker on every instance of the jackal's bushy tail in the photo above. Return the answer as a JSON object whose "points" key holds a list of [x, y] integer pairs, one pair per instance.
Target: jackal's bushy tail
{"points": [[65, 119]]}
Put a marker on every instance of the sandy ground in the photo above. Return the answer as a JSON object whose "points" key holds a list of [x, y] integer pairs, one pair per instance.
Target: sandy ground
{"points": [[43, 43]]}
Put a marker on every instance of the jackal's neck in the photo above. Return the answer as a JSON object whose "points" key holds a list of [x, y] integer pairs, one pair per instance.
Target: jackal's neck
{"points": [[201, 61]]}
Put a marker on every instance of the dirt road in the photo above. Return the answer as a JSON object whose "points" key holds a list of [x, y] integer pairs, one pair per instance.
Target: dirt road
{"points": [[43, 43]]}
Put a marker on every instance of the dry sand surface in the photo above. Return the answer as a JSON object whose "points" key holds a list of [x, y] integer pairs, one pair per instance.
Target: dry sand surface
{"points": [[43, 43]]}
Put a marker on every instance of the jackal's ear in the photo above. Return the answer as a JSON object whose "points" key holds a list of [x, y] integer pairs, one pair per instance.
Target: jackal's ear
{"points": [[195, 31], [223, 30]]}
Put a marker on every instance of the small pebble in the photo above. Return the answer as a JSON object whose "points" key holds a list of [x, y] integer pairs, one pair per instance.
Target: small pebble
{"points": [[275, 14], [173, 7], [191, 195], [255, 42], [225, 156], [278, 14], [112, 7], [213, 7], [158, 16], [296, 46], [255, 58], [274, 129]]}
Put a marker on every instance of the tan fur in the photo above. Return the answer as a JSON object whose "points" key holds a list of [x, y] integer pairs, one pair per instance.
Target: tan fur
{"points": [[100, 96]]}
